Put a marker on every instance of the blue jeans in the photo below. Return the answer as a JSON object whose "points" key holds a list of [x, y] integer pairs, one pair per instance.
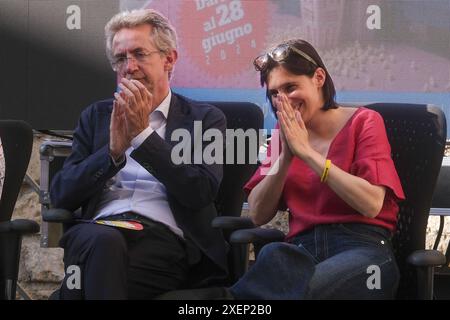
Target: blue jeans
{"points": [[338, 261]]}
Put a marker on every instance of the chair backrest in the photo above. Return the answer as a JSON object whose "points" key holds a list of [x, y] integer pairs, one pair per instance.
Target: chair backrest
{"points": [[17, 141], [238, 169], [441, 196], [417, 134], [245, 116]]}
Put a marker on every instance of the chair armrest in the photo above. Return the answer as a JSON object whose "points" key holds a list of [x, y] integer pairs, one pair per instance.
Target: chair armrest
{"points": [[425, 261], [232, 223], [58, 215], [426, 258], [257, 235], [22, 226]]}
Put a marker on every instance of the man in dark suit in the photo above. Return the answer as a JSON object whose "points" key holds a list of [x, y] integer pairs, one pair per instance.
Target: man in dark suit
{"points": [[121, 169]]}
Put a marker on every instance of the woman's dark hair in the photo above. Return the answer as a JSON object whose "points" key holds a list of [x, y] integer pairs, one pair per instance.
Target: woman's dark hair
{"points": [[298, 65]]}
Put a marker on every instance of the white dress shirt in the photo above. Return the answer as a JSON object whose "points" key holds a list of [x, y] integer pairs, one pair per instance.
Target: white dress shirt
{"points": [[133, 188]]}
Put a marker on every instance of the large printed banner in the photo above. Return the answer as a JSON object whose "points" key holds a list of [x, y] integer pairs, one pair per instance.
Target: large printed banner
{"points": [[375, 50], [217, 40], [391, 51], [367, 45]]}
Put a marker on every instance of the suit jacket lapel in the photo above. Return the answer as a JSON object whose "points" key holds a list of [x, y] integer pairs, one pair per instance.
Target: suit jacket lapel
{"points": [[178, 117]]}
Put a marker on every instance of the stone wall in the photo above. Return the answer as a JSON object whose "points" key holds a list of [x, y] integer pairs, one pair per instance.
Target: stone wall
{"points": [[41, 269]]}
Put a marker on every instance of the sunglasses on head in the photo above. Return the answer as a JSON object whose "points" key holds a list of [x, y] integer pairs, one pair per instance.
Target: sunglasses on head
{"points": [[279, 54]]}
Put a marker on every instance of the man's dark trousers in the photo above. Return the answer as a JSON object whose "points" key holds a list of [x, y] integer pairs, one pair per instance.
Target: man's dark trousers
{"points": [[117, 263]]}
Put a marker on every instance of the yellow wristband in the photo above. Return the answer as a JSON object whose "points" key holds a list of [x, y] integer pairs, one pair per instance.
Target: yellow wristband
{"points": [[324, 176]]}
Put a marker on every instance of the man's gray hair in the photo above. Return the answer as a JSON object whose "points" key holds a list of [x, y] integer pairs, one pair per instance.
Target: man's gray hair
{"points": [[163, 33]]}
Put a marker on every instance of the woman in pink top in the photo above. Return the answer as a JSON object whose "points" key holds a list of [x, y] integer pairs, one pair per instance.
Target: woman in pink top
{"points": [[335, 175]]}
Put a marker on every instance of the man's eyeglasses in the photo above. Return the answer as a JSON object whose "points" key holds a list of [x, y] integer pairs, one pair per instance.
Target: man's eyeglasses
{"points": [[119, 62], [279, 54]]}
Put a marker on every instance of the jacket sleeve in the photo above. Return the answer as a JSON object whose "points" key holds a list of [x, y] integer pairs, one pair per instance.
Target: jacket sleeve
{"points": [[192, 185], [85, 171]]}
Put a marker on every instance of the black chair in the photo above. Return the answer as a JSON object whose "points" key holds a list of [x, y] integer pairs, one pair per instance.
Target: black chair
{"points": [[17, 140], [417, 135], [230, 198], [239, 115]]}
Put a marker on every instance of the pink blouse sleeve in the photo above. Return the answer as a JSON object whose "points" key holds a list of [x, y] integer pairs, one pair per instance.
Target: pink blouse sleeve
{"points": [[263, 169], [254, 180], [373, 160]]}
